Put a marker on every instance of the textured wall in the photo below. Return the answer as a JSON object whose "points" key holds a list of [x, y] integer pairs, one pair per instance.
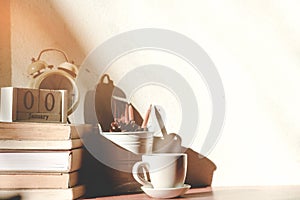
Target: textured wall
{"points": [[37, 25], [5, 50], [254, 44]]}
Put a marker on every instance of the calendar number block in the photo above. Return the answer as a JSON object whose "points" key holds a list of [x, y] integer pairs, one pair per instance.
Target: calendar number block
{"points": [[34, 105]]}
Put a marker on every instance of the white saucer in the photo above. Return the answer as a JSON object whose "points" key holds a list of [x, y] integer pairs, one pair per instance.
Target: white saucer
{"points": [[165, 192]]}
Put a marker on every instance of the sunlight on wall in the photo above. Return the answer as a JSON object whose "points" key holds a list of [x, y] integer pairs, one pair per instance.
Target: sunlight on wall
{"points": [[35, 26], [5, 57], [254, 45]]}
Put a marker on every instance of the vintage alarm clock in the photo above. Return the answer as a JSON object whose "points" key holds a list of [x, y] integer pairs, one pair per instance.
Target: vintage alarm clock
{"points": [[61, 77]]}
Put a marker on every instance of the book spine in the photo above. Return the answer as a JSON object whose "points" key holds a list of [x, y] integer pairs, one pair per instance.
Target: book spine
{"points": [[38, 180], [41, 131], [44, 194], [75, 159]]}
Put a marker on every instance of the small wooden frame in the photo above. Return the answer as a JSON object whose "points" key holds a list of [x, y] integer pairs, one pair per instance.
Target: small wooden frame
{"points": [[33, 105]]}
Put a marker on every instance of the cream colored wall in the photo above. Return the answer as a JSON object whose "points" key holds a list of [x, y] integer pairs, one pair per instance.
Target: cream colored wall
{"points": [[36, 25], [254, 44], [5, 58]]}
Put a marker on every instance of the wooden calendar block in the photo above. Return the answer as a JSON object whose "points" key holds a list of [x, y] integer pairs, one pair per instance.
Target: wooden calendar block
{"points": [[49, 101], [38, 117], [26, 100], [34, 105]]}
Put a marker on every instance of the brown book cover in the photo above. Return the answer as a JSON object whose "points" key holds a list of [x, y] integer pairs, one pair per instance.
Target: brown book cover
{"points": [[28, 180], [41, 131], [44, 194]]}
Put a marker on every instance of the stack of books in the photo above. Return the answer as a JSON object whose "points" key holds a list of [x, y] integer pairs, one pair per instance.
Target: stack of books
{"points": [[40, 161]]}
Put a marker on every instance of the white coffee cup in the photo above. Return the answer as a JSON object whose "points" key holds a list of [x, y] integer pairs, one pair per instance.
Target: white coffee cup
{"points": [[166, 170]]}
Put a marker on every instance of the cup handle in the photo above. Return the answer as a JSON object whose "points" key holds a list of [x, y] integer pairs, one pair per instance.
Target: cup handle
{"points": [[136, 175]]}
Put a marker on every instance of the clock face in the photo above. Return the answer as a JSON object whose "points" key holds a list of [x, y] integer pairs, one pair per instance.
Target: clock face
{"points": [[60, 80]]}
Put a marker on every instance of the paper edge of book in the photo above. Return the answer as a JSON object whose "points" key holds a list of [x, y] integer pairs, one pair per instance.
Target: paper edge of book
{"points": [[40, 144], [45, 194], [73, 163]]}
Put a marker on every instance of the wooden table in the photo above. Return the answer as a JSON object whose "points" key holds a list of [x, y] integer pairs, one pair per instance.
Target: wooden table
{"points": [[229, 193]]}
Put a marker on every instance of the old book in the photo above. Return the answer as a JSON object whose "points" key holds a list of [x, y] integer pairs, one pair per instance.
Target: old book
{"points": [[40, 161], [40, 144], [12, 180], [41, 131], [44, 194]]}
